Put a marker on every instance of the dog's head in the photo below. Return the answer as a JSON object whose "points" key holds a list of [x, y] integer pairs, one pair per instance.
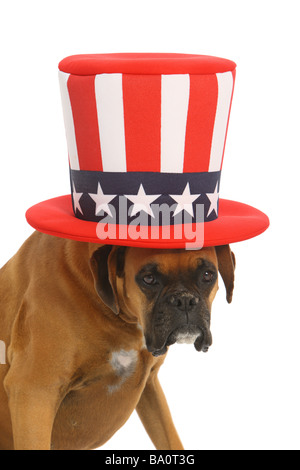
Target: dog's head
{"points": [[168, 292]]}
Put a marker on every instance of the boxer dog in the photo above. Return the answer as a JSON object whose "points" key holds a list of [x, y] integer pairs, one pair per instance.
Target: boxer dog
{"points": [[87, 328]]}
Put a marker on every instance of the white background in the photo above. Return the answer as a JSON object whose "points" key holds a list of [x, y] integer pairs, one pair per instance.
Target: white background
{"points": [[245, 393]]}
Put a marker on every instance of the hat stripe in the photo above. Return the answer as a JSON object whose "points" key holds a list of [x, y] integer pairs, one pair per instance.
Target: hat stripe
{"points": [[69, 122], [225, 90], [142, 115], [82, 96], [229, 111], [167, 123], [174, 108], [200, 122], [110, 109]]}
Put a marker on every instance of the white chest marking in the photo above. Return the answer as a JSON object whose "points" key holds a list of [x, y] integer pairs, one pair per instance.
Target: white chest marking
{"points": [[123, 363]]}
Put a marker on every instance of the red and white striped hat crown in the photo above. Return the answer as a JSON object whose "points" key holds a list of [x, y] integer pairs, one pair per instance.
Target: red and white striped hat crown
{"points": [[149, 117], [150, 129]]}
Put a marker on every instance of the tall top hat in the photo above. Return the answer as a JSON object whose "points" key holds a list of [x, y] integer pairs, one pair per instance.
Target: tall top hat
{"points": [[146, 136]]}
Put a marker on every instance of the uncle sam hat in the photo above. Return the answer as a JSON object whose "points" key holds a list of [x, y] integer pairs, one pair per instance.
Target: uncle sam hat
{"points": [[146, 136]]}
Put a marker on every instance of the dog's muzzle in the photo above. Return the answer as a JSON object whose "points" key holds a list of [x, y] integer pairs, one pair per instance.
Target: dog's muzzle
{"points": [[180, 317]]}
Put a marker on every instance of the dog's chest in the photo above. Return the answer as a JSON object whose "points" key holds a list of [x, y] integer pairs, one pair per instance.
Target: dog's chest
{"points": [[89, 416]]}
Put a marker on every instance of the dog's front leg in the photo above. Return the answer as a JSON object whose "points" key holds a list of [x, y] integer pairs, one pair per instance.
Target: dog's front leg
{"points": [[32, 415], [155, 415], [33, 403]]}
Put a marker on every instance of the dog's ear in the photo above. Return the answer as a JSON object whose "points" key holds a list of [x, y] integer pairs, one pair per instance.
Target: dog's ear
{"points": [[107, 263], [226, 262]]}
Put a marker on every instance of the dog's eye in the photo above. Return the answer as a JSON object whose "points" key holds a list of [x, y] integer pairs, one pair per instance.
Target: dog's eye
{"points": [[149, 279], [208, 276]]}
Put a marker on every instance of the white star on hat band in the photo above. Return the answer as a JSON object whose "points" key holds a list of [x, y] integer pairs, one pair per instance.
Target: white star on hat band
{"points": [[102, 200], [142, 201]]}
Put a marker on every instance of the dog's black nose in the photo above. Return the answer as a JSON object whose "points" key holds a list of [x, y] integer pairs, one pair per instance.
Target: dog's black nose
{"points": [[184, 301]]}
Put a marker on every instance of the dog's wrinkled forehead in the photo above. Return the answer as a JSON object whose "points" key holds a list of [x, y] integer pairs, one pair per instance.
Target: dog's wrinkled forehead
{"points": [[167, 262]]}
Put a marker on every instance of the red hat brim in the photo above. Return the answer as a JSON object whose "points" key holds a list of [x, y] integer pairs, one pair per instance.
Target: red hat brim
{"points": [[236, 222]]}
